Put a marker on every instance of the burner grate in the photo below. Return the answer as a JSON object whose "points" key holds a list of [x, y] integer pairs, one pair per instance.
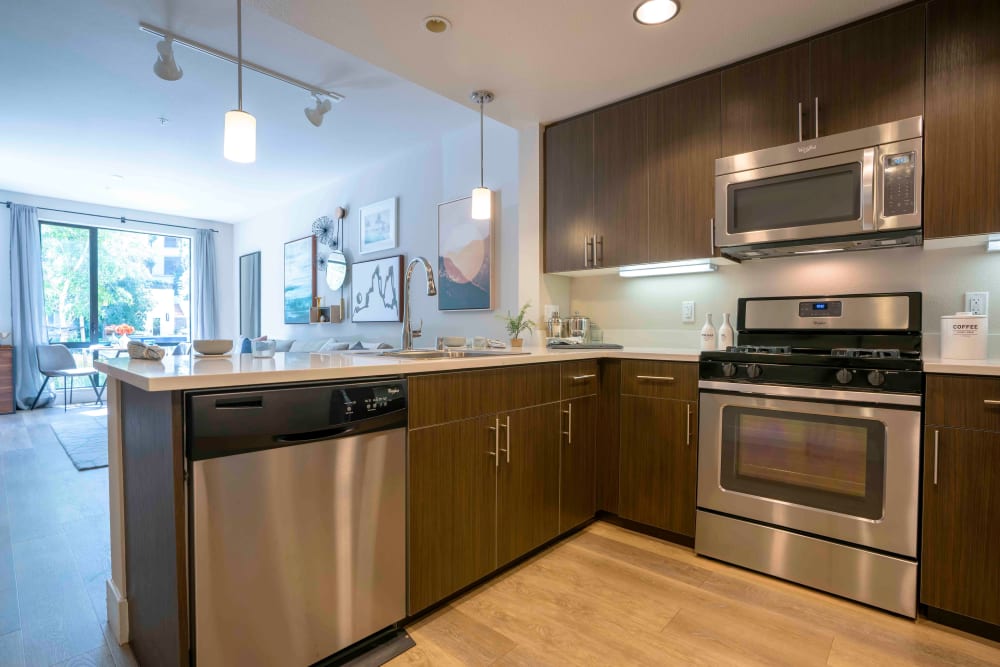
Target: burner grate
{"points": [[760, 349], [865, 353]]}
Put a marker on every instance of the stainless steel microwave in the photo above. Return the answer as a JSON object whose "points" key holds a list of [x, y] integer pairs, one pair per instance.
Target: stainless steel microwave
{"points": [[851, 191]]}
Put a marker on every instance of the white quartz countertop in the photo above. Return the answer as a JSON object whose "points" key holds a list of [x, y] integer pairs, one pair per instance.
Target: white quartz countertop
{"points": [[961, 367], [194, 372]]}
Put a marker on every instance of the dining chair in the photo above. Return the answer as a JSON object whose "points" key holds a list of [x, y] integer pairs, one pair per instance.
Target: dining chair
{"points": [[56, 361]]}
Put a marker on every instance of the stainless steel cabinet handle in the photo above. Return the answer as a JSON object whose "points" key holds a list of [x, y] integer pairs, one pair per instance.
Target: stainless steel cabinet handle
{"points": [[989, 402], [654, 378], [598, 261], [569, 424], [506, 427], [586, 252], [817, 118], [581, 378], [496, 443], [800, 121], [688, 442], [936, 437]]}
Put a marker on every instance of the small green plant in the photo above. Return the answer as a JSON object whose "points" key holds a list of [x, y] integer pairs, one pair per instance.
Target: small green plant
{"points": [[516, 324]]}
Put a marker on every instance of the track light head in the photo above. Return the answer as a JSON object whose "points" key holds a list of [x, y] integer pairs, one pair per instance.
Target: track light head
{"points": [[315, 113], [165, 66]]}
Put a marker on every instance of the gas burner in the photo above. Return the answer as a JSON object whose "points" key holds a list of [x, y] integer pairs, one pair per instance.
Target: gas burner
{"points": [[864, 353], [760, 349]]}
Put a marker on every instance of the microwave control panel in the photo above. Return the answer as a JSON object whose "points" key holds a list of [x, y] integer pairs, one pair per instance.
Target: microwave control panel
{"points": [[898, 184]]}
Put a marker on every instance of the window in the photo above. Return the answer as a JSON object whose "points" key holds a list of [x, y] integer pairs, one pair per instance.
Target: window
{"points": [[98, 279]]}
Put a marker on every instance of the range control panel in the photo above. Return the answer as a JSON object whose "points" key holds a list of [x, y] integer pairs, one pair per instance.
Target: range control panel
{"points": [[821, 308], [899, 184]]}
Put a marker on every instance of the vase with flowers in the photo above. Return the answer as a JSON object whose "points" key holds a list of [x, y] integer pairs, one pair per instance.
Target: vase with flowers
{"points": [[123, 331]]}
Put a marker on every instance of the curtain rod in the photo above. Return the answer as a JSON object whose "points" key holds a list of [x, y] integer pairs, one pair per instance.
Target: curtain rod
{"points": [[122, 219]]}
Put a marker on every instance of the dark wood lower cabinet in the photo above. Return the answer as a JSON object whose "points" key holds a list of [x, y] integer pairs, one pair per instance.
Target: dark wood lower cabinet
{"points": [[658, 467], [452, 508], [960, 556], [528, 481], [577, 486]]}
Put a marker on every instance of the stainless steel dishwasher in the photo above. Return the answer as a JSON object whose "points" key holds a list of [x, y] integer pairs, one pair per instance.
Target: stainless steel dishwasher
{"points": [[297, 520]]}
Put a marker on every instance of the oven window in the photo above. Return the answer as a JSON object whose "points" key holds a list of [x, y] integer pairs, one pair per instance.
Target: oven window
{"points": [[825, 462], [802, 199]]}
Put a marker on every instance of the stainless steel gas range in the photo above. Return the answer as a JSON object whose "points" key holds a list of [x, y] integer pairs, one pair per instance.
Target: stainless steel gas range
{"points": [[809, 445]]}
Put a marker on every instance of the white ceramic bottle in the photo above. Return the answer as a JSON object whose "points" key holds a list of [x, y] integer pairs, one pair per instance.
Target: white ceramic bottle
{"points": [[726, 333], [708, 334]]}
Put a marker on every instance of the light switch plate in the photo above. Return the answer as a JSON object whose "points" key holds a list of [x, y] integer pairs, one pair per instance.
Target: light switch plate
{"points": [[687, 311], [977, 303]]}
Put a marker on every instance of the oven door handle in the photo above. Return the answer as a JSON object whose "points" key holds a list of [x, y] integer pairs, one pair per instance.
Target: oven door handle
{"points": [[832, 395]]}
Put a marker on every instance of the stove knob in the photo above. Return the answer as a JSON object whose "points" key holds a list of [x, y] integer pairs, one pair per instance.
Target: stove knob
{"points": [[729, 369], [876, 378], [844, 376], [754, 371]]}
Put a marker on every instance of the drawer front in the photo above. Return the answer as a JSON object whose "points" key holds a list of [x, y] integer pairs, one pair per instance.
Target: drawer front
{"points": [[660, 379], [579, 378], [963, 401]]}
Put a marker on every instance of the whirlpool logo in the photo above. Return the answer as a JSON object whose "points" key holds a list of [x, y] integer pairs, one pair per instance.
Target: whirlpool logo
{"points": [[807, 149]]}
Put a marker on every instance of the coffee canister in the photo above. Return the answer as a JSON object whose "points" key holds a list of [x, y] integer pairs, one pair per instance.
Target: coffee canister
{"points": [[963, 336]]}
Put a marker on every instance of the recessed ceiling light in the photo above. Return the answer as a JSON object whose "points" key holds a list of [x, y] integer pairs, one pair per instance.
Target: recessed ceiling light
{"points": [[437, 24], [655, 12]]}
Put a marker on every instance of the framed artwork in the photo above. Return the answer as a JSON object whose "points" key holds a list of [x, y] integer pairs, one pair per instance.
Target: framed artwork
{"points": [[300, 279], [377, 290], [377, 226], [465, 258]]}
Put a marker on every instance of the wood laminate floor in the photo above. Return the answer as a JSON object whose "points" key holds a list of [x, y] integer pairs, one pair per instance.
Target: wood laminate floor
{"points": [[608, 596], [55, 552]]}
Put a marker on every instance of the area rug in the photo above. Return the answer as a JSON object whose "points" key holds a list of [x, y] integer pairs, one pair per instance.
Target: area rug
{"points": [[86, 444]]}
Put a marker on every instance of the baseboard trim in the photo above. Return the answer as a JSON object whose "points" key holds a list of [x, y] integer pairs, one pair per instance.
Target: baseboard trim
{"points": [[117, 611], [964, 623]]}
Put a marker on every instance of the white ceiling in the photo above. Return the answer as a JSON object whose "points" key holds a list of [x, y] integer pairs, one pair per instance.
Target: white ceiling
{"points": [[79, 102], [549, 59]]}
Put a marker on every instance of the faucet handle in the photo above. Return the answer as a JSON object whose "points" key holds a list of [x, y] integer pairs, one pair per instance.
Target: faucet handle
{"points": [[419, 330]]}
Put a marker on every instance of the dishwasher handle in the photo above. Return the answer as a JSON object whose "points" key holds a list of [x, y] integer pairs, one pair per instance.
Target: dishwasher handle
{"points": [[314, 436]]}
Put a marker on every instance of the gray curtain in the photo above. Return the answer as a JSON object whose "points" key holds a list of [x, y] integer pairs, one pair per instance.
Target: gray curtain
{"points": [[27, 301], [205, 297]]}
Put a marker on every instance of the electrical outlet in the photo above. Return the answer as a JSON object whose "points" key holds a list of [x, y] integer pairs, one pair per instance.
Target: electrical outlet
{"points": [[687, 311], [977, 303]]}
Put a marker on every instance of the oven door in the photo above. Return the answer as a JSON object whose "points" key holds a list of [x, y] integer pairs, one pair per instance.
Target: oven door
{"points": [[838, 464], [821, 197]]}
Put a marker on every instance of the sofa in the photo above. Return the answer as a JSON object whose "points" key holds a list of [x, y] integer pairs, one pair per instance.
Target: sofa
{"points": [[244, 344]]}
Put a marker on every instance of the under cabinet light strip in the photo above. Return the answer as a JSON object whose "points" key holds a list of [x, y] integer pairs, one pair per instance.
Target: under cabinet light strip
{"points": [[993, 244], [668, 269], [222, 55]]}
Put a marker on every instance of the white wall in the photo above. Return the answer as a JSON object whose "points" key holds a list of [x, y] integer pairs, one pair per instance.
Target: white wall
{"points": [[422, 178], [647, 311], [228, 304]]}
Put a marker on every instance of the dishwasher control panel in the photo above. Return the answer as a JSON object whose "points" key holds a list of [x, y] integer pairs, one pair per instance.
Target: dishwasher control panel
{"points": [[353, 402]]}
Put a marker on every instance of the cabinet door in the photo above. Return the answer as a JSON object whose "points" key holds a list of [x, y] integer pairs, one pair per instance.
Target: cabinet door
{"points": [[659, 449], [528, 486], [621, 183], [870, 73], [683, 146], [452, 492], [578, 484], [959, 569], [760, 101], [569, 193], [961, 160]]}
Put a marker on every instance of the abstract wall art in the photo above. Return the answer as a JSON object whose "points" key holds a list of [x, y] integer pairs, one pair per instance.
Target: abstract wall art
{"points": [[465, 258], [376, 290], [377, 226], [300, 279]]}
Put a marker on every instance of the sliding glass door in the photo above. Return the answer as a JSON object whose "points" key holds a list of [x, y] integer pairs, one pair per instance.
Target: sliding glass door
{"points": [[101, 282]]}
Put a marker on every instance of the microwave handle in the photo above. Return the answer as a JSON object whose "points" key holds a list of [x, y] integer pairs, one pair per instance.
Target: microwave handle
{"points": [[870, 173]]}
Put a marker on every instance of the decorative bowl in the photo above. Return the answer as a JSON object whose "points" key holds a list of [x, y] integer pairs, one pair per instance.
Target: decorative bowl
{"points": [[216, 346]]}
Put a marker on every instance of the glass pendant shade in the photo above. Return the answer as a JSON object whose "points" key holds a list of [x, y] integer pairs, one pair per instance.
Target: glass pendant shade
{"points": [[482, 204], [240, 140]]}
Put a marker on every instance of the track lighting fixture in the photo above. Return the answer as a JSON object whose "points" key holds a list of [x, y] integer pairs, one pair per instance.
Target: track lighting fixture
{"points": [[315, 113], [165, 66]]}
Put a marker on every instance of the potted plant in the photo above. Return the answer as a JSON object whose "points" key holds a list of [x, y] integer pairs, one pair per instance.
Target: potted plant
{"points": [[517, 324]]}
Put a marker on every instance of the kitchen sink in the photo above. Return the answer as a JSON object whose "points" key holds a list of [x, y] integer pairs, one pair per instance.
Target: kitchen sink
{"points": [[448, 354]]}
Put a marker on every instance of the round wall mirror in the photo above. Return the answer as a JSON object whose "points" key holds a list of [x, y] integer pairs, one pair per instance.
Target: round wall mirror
{"points": [[336, 270]]}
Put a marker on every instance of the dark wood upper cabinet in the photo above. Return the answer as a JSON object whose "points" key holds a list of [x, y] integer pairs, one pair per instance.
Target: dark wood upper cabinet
{"points": [[528, 481], [960, 553], [961, 160], [658, 468], [683, 130], [621, 183], [760, 101], [578, 485], [870, 73], [569, 193]]}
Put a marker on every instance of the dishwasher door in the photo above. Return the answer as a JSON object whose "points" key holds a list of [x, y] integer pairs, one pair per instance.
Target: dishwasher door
{"points": [[298, 551]]}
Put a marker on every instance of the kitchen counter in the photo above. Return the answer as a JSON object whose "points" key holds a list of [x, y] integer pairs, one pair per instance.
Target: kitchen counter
{"points": [[193, 372], [940, 366]]}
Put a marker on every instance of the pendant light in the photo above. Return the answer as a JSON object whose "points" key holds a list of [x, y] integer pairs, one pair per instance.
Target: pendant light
{"points": [[240, 138], [482, 197]]}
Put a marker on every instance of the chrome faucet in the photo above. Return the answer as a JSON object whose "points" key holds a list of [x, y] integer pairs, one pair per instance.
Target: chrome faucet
{"points": [[408, 332]]}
